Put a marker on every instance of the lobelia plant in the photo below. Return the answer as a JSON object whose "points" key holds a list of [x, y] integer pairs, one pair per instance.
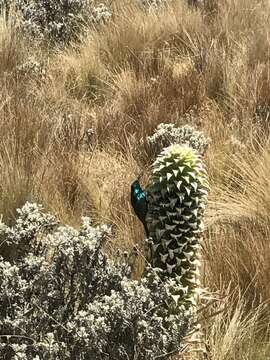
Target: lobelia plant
{"points": [[177, 196]]}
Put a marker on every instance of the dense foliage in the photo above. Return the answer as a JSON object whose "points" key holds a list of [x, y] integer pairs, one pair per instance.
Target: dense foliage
{"points": [[177, 197], [61, 297], [168, 133], [57, 21]]}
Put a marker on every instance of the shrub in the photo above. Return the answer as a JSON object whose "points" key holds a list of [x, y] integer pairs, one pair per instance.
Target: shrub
{"points": [[168, 134], [55, 20], [153, 4], [58, 21], [32, 69], [61, 297], [100, 14]]}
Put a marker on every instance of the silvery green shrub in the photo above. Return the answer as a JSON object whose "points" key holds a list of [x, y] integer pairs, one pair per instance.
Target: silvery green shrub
{"points": [[100, 14], [32, 69], [153, 4], [61, 297], [54, 20], [168, 134], [58, 21]]}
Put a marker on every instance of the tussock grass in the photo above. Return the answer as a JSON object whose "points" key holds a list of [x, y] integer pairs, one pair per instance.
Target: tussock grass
{"points": [[123, 79], [11, 49], [234, 334]]}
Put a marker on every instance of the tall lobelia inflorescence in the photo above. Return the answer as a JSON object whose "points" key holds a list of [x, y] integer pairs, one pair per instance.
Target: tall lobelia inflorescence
{"points": [[177, 195]]}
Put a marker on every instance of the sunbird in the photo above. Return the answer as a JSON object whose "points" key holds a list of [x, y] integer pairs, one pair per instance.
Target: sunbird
{"points": [[139, 203]]}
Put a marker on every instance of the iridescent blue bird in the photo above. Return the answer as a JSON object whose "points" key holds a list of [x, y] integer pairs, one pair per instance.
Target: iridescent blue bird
{"points": [[139, 203]]}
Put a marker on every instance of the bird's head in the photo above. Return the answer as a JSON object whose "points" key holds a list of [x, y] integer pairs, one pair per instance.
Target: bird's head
{"points": [[135, 186]]}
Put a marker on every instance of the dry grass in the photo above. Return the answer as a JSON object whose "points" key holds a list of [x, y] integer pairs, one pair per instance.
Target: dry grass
{"points": [[234, 334], [122, 80]]}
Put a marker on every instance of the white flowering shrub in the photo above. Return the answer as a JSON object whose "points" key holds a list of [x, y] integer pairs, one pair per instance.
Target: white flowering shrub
{"points": [[100, 14], [32, 69], [55, 20], [153, 4], [58, 21], [19, 238], [168, 134], [156, 4], [196, 3], [61, 297]]}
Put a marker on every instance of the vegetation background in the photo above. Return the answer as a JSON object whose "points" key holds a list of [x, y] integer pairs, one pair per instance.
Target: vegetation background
{"points": [[74, 123]]}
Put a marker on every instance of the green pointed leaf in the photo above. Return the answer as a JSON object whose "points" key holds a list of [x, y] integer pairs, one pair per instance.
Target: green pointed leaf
{"points": [[193, 225], [186, 217], [170, 227], [187, 179], [178, 222], [188, 191], [184, 271], [161, 167], [176, 298], [165, 243], [195, 199], [170, 268], [194, 212], [160, 233], [163, 258], [162, 218], [171, 213], [192, 174], [155, 247], [176, 236], [188, 255], [184, 230], [178, 184], [179, 210], [181, 196], [188, 203], [181, 168], [173, 202]]}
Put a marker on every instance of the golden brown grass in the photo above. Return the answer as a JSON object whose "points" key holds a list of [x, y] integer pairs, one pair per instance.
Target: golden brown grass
{"points": [[229, 331], [122, 80], [234, 334]]}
